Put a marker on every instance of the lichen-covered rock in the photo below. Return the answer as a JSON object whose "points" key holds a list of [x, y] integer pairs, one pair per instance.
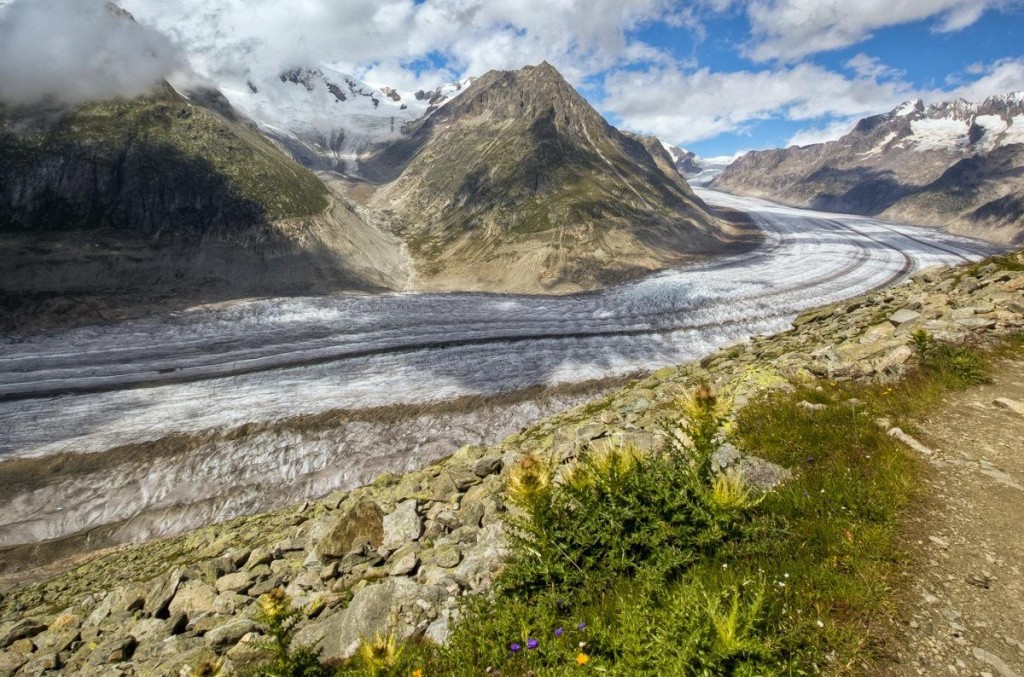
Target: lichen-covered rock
{"points": [[162, 592], [362, 522], [227, 635], [193, 598], [402, 526], [397, 605]]}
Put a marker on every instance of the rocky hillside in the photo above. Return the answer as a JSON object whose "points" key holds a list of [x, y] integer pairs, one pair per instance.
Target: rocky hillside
{"points": [[955, 165], [519, 184], [398, 555], [165, 195]]}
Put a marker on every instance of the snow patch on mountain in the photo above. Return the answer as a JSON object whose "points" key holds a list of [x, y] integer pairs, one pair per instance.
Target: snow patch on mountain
{"points": [[940, 134], [328, 119]]}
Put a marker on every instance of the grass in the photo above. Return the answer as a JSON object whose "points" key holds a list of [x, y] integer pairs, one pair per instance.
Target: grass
{"points": [[640, 563]]}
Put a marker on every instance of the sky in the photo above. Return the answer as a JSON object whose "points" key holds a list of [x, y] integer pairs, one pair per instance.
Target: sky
{"points": [[715, 76]]}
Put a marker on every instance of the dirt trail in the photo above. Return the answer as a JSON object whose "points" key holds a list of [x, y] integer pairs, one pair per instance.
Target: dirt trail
{"points": [[965, 592]]}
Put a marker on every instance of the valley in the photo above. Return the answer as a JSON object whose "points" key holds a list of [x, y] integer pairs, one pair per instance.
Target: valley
{"points": [[201, 415]]}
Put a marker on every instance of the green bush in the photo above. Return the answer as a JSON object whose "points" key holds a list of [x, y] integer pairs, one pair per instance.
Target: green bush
{"points": [[618, 511], [278, 619]]}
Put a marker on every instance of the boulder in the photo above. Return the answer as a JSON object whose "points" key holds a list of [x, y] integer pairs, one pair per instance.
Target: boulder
{"points": [[25, 628], [225, 636], [11, 662], [161, 593], [362, 522], [402, 526], [903, 316], [757, 473], [238, 582], [397, 606], [193, 598]]}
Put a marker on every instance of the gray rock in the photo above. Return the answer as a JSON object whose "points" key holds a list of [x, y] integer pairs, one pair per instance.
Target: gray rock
{"points": [[248, 651], [1000, 666], [975, 323], [589, 431], [393, 606], [362, 522], [438, 631], [148, 628], [757, 473], [26, 627], [176, 624], [445, 556], [903, 316], [969, 284], [162, 592], [405, 564], [238, 582], [402, 526], [1013, 405], [193, 598], [227, 635], [489, 465], [113, 651], [482, 562], [11, 662]]}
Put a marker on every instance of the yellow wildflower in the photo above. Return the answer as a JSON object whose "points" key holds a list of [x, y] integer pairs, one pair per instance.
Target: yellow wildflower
{"points": [[582, 659]]}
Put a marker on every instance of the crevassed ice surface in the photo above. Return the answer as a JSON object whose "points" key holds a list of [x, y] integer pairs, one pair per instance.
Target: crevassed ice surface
{"points": [[91, 388]]}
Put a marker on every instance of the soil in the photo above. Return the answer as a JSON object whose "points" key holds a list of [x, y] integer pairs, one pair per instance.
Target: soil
{"points": [[963, 592]]}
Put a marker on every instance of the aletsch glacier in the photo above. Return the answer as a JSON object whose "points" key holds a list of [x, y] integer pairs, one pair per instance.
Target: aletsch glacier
{"points": [[259, 361]]}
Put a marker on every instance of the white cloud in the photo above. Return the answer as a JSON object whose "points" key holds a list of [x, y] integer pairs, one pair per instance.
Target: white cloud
{"points": [[789, 30], [828, 132], [687, 107], [1000, 77], [78, 50], [235, 38]]}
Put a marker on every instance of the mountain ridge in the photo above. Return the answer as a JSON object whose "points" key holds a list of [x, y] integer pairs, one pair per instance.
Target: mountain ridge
{"points": [[521, 160], [954, 164]]}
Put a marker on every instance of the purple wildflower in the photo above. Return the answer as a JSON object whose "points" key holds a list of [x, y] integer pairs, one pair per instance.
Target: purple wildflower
{"points": [[532, 643], [558, 632], [581, 626], [514, 648]]}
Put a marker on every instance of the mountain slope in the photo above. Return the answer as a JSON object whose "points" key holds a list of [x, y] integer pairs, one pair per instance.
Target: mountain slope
{"points": [[956, 164], [167, 196], [519, 184]]}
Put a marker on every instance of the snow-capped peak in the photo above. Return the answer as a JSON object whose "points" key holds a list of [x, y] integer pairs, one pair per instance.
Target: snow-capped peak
{"points": [[328, 118]]}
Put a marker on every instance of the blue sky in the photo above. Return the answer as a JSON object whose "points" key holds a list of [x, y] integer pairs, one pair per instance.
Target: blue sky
{"points": [[716, 76], [917, 57]]}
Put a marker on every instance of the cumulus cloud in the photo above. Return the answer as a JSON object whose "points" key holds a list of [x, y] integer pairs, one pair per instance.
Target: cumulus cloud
{"points": [[77, 50], [1000, 77], [243, 38], [684, 107], [789, 30], [821, 134]]}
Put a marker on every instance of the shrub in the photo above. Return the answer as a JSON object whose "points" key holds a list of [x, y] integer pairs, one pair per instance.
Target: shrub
{"points": [[278, 618], [616, 511]]}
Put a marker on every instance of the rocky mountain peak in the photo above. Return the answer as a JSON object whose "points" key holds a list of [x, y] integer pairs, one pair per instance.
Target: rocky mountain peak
{"points": [[519, 168]]}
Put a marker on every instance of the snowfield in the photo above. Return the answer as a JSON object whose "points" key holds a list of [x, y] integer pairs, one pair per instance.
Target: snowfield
{"points": [[90, 389]]}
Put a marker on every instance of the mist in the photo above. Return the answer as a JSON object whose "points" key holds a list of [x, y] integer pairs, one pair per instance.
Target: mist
{"points": [[73, 51]]}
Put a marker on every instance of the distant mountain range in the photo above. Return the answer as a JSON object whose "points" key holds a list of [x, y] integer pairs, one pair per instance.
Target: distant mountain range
{"points": [[512, 182], [956, 165]]}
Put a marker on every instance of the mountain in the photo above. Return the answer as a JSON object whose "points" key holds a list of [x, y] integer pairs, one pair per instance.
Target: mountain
{"points": [[519, 184], [168, 196], [685, 161], [327, 119], [956, 165]]}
